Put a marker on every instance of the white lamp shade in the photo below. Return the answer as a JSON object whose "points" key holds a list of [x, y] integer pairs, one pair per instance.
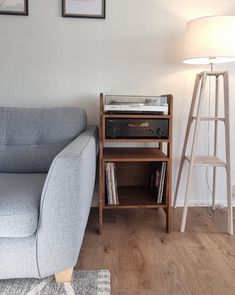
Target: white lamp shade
{"points": [[210, 40]]}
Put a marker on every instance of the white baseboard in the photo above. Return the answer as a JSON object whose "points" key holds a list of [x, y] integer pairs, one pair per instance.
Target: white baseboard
{"points": [[202, 203], [180, 202]]}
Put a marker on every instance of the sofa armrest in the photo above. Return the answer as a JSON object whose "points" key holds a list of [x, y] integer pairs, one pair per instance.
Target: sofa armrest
{"points": [[65, 204]]}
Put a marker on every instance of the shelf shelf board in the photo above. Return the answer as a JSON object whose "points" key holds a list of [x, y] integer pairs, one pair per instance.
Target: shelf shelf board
{"points": [[207, 161], [131, 155], [135, 140], [155, 206], [139, 116], [135, 197]]}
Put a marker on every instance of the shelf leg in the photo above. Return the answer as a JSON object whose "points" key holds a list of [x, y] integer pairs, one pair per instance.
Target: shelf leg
{"points": [[100, 220], [168, 220], [101, 194], [190, 118]]}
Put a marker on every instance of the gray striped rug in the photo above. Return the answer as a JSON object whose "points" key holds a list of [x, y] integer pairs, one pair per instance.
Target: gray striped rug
{"points": [[84, 282]]}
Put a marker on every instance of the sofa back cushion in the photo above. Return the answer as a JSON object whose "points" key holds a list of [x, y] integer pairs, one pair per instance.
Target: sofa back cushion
{"points": [[30, 138]]}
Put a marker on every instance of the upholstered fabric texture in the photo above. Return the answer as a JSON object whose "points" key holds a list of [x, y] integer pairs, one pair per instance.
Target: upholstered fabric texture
{"points": [[18, 258], [63, 205], [19, 203], [31, 138]]}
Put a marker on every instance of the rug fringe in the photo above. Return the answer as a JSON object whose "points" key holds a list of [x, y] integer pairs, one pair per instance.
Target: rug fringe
{"points": [[103, 287]]}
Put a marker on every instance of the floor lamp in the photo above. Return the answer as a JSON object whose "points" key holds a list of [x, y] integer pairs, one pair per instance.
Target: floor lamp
{"points": [[208, 40]]}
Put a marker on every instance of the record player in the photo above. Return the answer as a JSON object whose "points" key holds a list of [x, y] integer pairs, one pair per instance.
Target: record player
{"points": [[136, 104]]}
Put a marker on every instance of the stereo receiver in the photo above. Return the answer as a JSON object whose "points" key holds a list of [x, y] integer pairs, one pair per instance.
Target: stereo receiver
{"points": [[119, 128]]}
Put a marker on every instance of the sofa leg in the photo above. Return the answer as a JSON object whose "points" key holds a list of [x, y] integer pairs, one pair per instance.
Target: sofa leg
{"points": [[64, 276]]}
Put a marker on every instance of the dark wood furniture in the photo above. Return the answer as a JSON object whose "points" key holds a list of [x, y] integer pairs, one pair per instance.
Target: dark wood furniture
{"points": [[133, 166]]}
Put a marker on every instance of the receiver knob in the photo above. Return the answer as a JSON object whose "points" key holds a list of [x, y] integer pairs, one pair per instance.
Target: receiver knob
{"points": [[159, 132]]}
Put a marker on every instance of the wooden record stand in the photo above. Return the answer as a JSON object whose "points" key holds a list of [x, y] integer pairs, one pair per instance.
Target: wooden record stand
{"points": [[133, 165]]}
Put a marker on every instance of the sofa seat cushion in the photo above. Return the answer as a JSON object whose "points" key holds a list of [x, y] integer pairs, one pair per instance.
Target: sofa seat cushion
{"points": [[19, 203]]}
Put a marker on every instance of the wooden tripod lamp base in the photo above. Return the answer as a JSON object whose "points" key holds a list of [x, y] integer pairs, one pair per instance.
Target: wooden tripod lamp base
{"points": [[208, 40], [208, 160]]}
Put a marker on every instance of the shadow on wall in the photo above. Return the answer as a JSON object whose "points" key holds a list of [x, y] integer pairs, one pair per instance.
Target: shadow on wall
{"points": [[187, 10], [182, 11], [90, 103]]}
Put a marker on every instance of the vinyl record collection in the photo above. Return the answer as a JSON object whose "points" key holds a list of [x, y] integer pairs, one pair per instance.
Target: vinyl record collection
{"points": [[111, 184], [157, 182]]}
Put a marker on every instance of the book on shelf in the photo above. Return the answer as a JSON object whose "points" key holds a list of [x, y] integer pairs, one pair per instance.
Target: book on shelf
{"points": [[111, 184]]}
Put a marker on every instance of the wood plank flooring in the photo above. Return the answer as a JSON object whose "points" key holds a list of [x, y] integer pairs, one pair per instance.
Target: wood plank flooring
{"points": [[144, 260]]}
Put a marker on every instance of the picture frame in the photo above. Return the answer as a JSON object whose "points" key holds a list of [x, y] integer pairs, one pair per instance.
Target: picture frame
{"points": [[83, 8], [14, 7]]}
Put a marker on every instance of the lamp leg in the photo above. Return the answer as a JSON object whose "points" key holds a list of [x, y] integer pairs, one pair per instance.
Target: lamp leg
{"points": [[194, 143], [227, 142], [190, 118], [215, 139]]}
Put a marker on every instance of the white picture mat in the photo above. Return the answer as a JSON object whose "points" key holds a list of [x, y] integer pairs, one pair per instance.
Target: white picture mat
{"points": [[92, 7], [12, 5]]}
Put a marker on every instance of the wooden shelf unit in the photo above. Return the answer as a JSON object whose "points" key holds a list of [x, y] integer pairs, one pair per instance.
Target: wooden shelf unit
{"points": [[134, 166]]}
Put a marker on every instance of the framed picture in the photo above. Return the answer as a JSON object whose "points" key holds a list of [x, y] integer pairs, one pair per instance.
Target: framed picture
{"points": [[83, 8], [16, 7]]}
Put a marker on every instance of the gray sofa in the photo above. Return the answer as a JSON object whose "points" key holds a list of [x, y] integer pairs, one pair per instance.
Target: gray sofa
{"points": [[47, 175]]}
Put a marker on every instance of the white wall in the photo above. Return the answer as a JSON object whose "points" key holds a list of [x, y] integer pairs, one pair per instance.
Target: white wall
{"points": [[47, 60]]}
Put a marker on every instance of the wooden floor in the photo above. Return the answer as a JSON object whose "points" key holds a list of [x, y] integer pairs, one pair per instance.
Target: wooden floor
{"points": [[143, 259]]}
